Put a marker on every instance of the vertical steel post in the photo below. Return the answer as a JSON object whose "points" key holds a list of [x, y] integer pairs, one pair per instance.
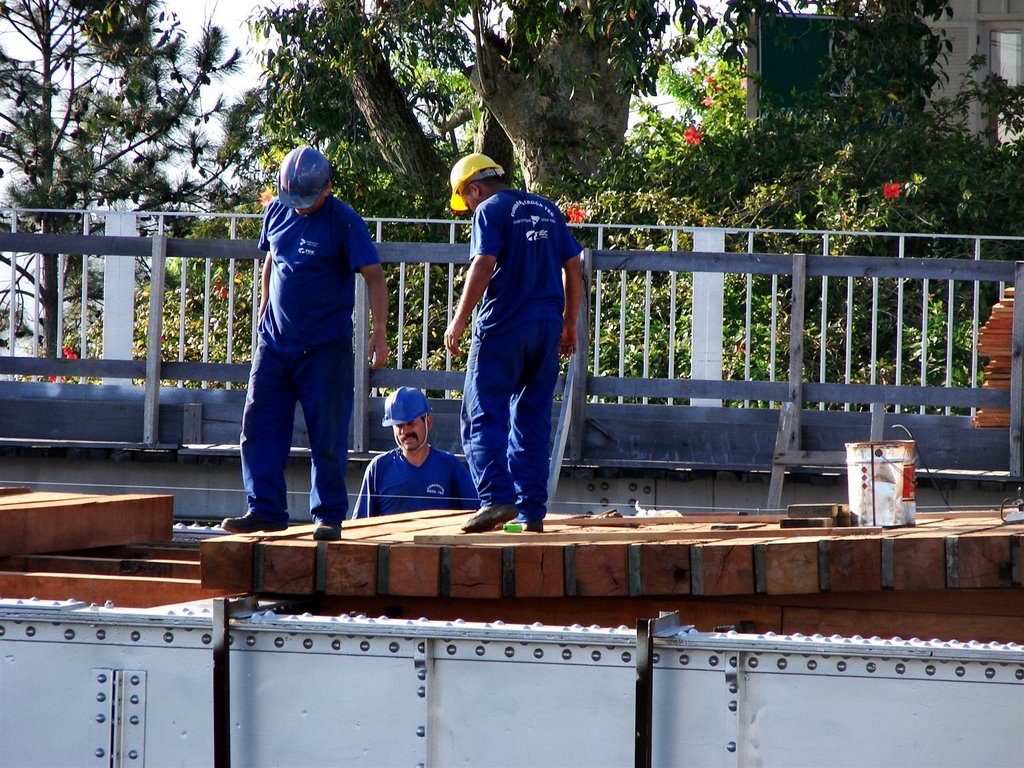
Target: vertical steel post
{"points": [[151, 403]]}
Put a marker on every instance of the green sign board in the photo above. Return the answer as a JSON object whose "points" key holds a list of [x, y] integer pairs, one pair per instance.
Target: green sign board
{"points": [[794, 51]]}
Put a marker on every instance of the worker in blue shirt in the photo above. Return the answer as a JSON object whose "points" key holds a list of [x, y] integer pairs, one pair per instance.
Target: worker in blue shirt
{"points": [[526, 268], [415, 475], [316, 244]]}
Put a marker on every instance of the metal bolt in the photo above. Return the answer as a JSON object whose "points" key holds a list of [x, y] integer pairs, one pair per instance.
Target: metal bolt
{"points": [[421, 674], [101, 678], [134, 719], [422, 691], [135, 680], [733, 706], [133, 755], [731, 746], [101, 718], [421, 731], [100, 752]]}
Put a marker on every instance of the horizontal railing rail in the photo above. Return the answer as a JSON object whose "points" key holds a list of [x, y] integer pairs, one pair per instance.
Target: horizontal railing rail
{"points": [[645, 313]]}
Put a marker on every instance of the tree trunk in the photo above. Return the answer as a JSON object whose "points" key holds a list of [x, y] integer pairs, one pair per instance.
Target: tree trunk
{"points": [[492, 141], [394, 127], [572, 107]]}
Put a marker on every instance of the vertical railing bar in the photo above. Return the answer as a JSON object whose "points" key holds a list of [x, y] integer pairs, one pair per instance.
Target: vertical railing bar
{"points": [[425, 333], [901, 252], [950, 319], [924, 336], [647, 329], [36, 282], [749, 318], [823, 335], [873, 368], [1016, 430], [151, 401], [229, 355], [83, 341], [12, 296], [400, 352], [450, 309], [208, 267], [622, 328], [975, 323], [848, 371], [673, 288]]}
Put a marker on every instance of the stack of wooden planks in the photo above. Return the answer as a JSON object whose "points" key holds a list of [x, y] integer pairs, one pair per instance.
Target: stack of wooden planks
{"points": [[995, 339], [95, 549], [953, 576]]}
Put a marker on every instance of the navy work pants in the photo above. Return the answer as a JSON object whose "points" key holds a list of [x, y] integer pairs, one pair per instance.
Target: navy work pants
{"points": [[506, 414], [322, 381]]}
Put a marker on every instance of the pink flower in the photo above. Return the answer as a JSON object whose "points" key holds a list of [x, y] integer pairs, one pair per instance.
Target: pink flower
{"points": [[709, 79], [707, 101], [692, 135], [892, 191]]}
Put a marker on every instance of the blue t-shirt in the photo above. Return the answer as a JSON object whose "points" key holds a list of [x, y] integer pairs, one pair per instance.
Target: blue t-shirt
{"points": [[528, 236], [312, 279], [391, 485]]}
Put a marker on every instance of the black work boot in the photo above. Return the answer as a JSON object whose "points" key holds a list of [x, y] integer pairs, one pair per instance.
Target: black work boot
{"points": [[489, 518], [250, 523]]}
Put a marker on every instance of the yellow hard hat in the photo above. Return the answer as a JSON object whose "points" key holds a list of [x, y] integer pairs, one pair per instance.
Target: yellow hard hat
{"points": [[467, 168]]}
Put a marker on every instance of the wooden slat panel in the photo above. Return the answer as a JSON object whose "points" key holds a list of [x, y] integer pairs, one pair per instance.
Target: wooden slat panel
{"points": [[351, 569], [664, 569], [727, 568], [855, 564], [86, 521], [475, 572], [985, 560], [289, 567], [539, 571], [415, 570], [227, 563], [602, 570], [791, 567], [122, 591]]}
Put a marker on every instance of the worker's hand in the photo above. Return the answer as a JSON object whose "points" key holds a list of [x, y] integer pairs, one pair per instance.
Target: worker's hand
{"points": [[452, 334], [567, 344], [377, 355]]}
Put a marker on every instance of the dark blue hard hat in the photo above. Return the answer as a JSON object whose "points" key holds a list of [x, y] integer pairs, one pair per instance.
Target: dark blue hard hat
{"points": [[303, 177], [404, 405]]}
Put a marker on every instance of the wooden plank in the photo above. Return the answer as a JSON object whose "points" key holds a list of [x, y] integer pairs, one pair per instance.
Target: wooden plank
{"points": [[226, 563], [415, 570], [723, 568], [790, 567], [855, 564], [108, 566], [86, 521], [918, 562], [985, 560], [122, 591], [664, 569], [539, 571], [13, 490], [351, 569], [475, 572], [602, 570], [289, 567]]}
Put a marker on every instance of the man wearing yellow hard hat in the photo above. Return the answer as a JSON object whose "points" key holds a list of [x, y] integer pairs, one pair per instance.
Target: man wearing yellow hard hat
{"points": [[525, 266]]}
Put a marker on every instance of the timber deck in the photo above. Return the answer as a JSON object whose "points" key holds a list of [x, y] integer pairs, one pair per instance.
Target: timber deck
{"points": [[952, 576]]}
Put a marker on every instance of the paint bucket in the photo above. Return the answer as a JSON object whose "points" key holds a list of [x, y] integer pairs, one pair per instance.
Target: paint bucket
{"points": [[881, 481]]}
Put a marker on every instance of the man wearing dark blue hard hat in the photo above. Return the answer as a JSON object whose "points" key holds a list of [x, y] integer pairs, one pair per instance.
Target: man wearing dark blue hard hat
{"points": [[415, 475], [316, 244]]}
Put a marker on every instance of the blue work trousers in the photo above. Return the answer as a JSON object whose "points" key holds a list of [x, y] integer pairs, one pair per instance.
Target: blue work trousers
{"points": [[322, 381], [506, 414]]}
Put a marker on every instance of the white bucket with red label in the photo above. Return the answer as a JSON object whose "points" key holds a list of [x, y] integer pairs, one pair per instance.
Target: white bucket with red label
{"points": [[881, 480]]}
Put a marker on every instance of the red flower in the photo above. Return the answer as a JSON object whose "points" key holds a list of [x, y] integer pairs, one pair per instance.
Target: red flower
{"points": [[892, 191], [709, 79], [574, 214], [69, 353], [265, 197], [707, 101], [692, 135]]}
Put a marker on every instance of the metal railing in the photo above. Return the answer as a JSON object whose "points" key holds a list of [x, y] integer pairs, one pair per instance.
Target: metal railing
{"points": [[712, 318]]}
